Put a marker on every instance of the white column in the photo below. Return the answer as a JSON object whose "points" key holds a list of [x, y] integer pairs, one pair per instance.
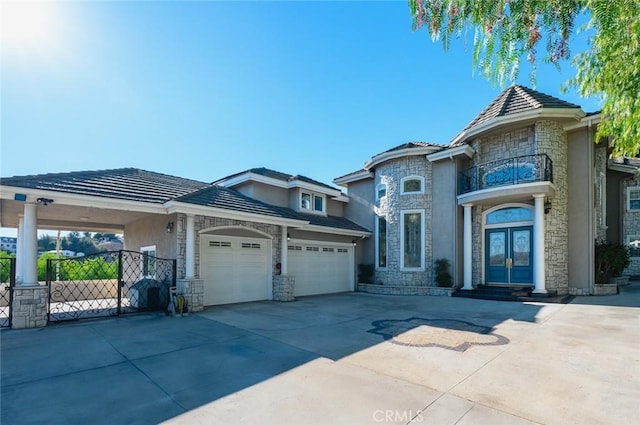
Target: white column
{"points": [[538, 246], [467, 252], [30, 245], [189, 252], [283, 251], [20, 250]]}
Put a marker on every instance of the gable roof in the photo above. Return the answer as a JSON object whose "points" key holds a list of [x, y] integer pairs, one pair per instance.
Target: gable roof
{"points": [[267, 172], [130, 184], [513, 100]]}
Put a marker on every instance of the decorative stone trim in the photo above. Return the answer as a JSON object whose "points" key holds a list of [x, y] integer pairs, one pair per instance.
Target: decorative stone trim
{"points": [[193, 291], [403, 290], [605, 289], [30, 306], [620, 280], [284, 287], [579, 291]]}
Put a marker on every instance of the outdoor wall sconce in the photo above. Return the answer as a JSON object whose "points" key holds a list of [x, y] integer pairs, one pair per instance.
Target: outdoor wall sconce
{"points": [[288, 237], [170, 227], [547, 207], [44, 201], [353, 242]]}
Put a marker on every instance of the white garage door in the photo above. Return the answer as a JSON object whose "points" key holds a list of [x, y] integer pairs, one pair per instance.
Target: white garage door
{"points": [[235, 269], [321, 267]]}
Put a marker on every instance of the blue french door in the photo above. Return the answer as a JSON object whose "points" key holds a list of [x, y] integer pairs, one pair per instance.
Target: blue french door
{"points": [[509, 255]]}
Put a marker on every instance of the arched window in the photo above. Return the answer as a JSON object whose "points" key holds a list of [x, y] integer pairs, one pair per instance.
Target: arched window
{"points": [[509, 215], [411, 185]]}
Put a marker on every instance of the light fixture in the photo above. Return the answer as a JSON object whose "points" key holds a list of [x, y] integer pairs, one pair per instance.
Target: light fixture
{"points": [[353, 242], [288, 237], [44, 201], [170, 227], [547, 207]]}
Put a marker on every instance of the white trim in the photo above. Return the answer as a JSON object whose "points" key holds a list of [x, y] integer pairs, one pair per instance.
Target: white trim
{"points": [[631, 169], [422, 240], [377, 241], [401, 153], [216, 228], [584, 122], [572, 113], [450, 153], [413, 177], [491, 194], [353, 177], [628, 206], [295, 183], [334, 230], [80, 200], [146, 250]]}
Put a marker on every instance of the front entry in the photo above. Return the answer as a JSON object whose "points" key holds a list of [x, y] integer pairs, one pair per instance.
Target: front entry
{"points": [[509, 255]]}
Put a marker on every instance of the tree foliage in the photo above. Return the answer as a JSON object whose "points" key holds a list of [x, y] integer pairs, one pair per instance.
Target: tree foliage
{"points": [[507, 31]]}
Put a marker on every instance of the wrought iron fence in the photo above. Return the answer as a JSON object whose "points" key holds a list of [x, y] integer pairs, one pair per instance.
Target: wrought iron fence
{"points": [[517, 170], [7, 281], [108, 284]]}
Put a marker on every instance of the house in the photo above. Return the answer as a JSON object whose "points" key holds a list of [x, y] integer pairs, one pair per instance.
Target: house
{"points": [[518, 197], [8, 244], [245, 238]]}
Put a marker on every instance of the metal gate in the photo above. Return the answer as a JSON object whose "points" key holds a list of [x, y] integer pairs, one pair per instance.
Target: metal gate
{"points": [[108, 284], [7, 281]]}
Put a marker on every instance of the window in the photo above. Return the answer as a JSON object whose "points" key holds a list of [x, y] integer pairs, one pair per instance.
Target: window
{"points": [[412, 240], [311, 202], [633, 198], [381, 242], [633, 242], [148, 261], [509, 215], [382, 190], [412, 184]]}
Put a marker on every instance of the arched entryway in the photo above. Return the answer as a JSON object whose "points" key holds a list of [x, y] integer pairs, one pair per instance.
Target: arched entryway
{"points": [[508, 245]]}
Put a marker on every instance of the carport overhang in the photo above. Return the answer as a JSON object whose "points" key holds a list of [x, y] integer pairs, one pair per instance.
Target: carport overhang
{"points": [[70, 211]]}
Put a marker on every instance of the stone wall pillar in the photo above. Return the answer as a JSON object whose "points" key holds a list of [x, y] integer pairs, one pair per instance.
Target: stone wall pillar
{"points": [[29, 306], [193, 291], [467, 249], [284, 287]]}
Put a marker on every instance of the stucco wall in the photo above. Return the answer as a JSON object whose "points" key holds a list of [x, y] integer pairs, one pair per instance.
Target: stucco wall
{"points": [[335, 207], [270, 194], [580, 209], [360, 210], [152, 230], [444, 177], [391, 173]]}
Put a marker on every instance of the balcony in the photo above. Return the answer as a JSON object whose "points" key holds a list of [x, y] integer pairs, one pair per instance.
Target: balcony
{"points": [[506, 172]]}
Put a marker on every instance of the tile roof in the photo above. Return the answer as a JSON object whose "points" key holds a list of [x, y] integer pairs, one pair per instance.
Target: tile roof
{"points": [[353, 173], [230, 199], [412, 145], [516, 99], [267, 172], [123, 183]]}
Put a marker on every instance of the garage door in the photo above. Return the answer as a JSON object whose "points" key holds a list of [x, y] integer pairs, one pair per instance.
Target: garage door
{"points": [[235, 269], [321, 268]]}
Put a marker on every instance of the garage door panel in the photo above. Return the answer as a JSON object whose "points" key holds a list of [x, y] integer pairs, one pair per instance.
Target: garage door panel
{"points": [[235, 269], [321, 268]]}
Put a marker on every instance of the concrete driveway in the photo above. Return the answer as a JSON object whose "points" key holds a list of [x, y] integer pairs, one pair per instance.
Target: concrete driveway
{"points": [[340, 359]]}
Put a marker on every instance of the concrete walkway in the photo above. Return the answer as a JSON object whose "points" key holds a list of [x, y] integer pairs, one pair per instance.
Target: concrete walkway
{"points": [[341, 359]]}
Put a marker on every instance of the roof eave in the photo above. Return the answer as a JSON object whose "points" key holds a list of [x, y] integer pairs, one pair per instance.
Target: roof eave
{"points": [[386, 156], [353, 177], [336, 230], [570, 113], [451, 153]]}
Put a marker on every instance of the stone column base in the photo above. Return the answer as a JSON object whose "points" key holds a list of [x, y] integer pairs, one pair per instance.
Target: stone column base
{"points": [[30, 306], [283, 287], [193, 291]]}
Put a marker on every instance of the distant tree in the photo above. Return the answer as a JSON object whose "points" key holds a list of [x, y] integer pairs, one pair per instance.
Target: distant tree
{"points": [[46, 243], [76, 243], [507, 31]]}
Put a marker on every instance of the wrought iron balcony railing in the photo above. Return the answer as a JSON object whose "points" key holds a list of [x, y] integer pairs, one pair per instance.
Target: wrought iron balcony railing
{"points": [[505, 172]]}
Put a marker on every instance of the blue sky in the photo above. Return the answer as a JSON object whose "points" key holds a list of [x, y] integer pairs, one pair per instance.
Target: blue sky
{"points": [[206, 89]]}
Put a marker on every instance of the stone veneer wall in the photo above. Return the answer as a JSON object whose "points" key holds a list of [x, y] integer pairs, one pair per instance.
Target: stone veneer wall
{"points": [[391, 173], [546, 137], [30, 306], [551, 139], [203, 222], [600, 186], [630, 226]]}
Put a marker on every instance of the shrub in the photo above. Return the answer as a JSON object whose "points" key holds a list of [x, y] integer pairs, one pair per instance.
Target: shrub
{"points": [[443, 277], [611, 260]]}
